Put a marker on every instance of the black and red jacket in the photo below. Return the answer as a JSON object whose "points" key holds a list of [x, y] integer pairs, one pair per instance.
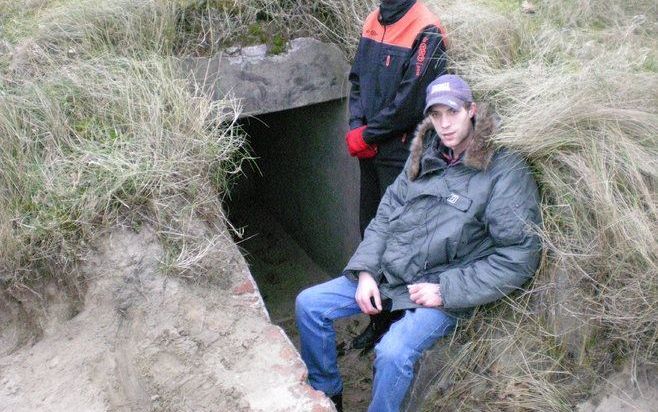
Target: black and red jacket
{"points": [[394, 64]]}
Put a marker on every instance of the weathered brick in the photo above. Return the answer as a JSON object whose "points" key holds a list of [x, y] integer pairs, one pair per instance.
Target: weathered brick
{"points": [[243, 288]]}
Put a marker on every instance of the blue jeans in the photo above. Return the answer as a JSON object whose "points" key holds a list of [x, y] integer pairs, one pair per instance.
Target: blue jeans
{"points": [[317, 307]]}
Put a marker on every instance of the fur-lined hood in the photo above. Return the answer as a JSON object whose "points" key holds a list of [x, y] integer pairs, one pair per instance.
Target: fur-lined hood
{"points": [[477, 155]]}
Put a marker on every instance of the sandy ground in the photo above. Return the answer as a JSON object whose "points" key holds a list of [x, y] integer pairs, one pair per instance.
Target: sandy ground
{"points": [[145, 342]]}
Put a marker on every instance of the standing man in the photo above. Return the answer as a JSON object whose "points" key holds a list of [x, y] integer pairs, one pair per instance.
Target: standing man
{"points": [[401, 50], [455, 230]]}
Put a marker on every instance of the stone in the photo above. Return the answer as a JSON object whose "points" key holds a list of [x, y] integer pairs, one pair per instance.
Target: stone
{"points": [[232, 51], [309, 72], [255, 52], [528, 7]]}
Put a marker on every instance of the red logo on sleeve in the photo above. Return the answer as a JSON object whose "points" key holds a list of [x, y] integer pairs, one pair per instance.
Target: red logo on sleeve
{"points": [[422, 51]]}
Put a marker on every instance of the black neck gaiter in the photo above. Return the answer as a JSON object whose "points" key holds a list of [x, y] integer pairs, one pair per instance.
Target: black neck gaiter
{"points": [[391, 11]]}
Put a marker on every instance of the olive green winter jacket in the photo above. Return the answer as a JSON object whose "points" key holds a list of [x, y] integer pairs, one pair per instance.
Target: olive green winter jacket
{"points": [[469, 226]]}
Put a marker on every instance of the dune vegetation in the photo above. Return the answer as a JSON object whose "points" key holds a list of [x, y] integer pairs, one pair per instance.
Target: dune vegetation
{"points": [[576, 87], [99, 127]]}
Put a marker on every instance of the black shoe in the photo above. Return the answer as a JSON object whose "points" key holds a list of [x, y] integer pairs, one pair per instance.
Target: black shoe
{"points": [[366, 339], [338, 401], [378, 326]]}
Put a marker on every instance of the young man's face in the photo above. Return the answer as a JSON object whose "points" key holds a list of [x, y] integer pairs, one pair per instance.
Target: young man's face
{"points": [[453, 126]]}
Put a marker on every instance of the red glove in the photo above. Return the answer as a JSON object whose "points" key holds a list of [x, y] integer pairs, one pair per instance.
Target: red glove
{"points": [[357, 146]]}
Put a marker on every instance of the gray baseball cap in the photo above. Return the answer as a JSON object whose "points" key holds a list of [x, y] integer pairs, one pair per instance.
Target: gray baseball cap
{"points": [[450, 90]]}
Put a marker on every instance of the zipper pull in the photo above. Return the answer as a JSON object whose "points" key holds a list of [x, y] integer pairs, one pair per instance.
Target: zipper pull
{"points": [[388, 60]]}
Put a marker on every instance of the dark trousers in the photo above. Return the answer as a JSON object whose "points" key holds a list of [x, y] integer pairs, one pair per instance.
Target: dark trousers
{"points": [[375, 178]]}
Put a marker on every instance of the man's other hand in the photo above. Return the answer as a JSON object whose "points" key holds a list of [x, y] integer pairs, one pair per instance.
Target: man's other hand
{"points": [[366, 290], [426, 294], [356, 146]]}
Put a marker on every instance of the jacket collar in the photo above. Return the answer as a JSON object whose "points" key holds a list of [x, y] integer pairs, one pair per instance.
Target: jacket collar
{"points": [[391, 11], [477, 155]]}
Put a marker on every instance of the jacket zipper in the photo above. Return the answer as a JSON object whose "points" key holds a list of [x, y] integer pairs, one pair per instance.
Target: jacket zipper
{"points": [[388, 56]]}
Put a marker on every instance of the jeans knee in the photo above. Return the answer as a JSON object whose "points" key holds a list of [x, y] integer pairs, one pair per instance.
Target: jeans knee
{"points": [[301, 302], [396, 354], [390, 351], [305, 302]]}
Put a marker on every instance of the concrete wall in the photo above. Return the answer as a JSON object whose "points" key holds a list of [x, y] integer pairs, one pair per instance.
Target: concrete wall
{"points": [[309, 72], [308, 182]]}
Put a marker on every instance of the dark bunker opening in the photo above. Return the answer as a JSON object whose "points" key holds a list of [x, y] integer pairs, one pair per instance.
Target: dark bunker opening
{"points": [[297, 205], [297, 201]]}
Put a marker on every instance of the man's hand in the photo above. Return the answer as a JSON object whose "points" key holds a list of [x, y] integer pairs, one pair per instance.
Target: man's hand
{"points": [[366, 290], [356, 146], [426, 294]]}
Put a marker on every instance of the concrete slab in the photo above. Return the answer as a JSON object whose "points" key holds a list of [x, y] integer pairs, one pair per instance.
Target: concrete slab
{"points": [[308, 72]]}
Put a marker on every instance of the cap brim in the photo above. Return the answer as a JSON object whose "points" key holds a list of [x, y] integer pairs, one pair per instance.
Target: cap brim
{"points": [[449, 101]]}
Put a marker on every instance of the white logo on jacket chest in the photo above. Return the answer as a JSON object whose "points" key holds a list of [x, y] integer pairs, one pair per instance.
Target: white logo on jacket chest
{"points": [[452, 199]]}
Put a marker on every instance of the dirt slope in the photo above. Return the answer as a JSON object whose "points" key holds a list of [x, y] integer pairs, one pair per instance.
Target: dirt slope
{"points": [[151, 343]]}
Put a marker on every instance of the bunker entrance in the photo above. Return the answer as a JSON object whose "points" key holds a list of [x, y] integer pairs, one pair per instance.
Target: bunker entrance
{"points": [[297, 202], [297, 205]]}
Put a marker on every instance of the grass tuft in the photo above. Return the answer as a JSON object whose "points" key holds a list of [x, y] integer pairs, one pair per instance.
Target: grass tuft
{"points": [[101, 128]]}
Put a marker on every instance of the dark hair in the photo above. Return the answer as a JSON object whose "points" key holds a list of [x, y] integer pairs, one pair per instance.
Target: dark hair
{"points": [[467, 106]]}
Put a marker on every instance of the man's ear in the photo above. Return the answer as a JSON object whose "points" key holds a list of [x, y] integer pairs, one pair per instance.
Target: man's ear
{"points": [[472, 110]]}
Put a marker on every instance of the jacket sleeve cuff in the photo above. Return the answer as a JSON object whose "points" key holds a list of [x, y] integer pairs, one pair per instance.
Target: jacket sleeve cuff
{"points": [[452, 299], [430, 278], [353, 274], [367, 138], [445, 293], [356, 122]]}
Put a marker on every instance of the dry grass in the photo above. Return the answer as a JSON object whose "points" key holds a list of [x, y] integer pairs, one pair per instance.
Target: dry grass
{"points": [[576, 88], [100, 128], [338, 22], [209, 26]]}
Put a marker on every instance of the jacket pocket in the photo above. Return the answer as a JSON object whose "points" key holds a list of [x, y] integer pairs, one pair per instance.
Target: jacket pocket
{"points": [[391, 68], [458, 201], [393, 59]]}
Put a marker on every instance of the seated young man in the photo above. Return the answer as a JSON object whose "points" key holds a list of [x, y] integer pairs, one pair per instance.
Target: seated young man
{"points": [[455, 230]]}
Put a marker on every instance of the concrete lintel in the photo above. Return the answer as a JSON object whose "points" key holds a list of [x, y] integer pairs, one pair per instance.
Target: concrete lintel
{"points": [[309, 72]]}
